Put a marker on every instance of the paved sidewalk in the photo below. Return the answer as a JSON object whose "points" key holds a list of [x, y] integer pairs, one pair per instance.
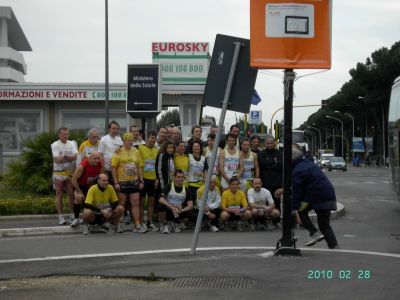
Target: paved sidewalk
{"points": [[23, 225]]}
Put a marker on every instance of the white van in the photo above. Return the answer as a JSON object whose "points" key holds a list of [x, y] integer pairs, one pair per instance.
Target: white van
{"points": [[324, 159]]}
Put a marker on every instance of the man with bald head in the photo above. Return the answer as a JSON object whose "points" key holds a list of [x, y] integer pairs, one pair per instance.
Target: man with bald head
{"points": [[84, 177], [101, 207]]}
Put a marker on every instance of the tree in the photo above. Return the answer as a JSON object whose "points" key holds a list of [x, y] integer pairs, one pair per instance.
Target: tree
{"points": [[169, 118]]}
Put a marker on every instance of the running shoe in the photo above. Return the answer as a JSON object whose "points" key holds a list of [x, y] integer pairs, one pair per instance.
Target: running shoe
{"points": [[61, 220], [213, 228], [152, 227], [86, 229], [75, 223], [315, 238], [165, 229]]}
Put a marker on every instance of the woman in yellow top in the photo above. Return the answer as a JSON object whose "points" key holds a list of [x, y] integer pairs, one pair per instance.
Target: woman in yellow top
{"points": [[181, 160], [127, 172]]}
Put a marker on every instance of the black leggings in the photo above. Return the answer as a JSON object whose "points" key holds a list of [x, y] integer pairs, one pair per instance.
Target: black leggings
{"points": [[323, 216]]}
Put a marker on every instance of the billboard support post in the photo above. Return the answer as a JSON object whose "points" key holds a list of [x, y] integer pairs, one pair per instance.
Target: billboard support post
{"points": [[287, 244], [216, 143]]}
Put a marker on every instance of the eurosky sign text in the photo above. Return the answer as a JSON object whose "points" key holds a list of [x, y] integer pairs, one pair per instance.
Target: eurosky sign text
{"points": [[182, 63], [201, 47]]}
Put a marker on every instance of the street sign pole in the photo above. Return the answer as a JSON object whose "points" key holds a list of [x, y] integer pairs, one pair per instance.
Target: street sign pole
{"points": [[215, 148], [287, 244]]}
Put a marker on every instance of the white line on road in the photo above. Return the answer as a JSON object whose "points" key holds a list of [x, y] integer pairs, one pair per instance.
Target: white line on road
{"points": [[65, 257]]}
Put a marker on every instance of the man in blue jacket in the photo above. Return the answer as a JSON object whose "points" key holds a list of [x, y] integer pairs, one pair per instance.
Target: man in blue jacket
{"points": [[311, 189]]}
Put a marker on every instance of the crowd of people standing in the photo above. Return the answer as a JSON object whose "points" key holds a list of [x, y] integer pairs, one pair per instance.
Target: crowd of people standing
{"points": [[114, 178]]}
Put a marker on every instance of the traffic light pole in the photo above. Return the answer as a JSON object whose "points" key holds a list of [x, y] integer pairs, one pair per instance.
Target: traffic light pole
{"points": [[287, 244]]}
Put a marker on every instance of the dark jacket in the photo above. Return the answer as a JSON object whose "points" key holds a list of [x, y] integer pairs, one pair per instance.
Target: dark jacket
{"points": [[271, 168], [310, 184], [164, 162]]}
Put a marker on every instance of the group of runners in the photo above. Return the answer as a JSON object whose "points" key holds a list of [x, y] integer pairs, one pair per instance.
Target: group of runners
{"points": [[116, 177]]}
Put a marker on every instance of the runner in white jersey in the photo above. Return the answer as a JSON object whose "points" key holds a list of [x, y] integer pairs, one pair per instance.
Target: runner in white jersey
{"points": [[229, 161], [108, 144], [261, 204], [64, 159], [208, 151], [248, 166]]}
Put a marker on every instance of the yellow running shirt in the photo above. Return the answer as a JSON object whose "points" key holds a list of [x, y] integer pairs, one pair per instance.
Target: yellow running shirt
{"points": [[149, 156], [231, 200], [127, 163]]}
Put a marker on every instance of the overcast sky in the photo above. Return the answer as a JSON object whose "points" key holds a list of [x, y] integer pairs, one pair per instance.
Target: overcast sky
{"points": [[67, 38]]}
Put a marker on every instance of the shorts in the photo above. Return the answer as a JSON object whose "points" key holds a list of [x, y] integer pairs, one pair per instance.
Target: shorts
{"points": [[84, 189], [61, 179], [148, 188], [129, 187]]}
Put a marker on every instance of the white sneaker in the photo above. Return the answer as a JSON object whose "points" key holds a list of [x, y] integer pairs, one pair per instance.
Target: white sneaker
{"points": [[213, 228], [61, 220], [86, 229], [152, 227], [165, 229], [176, 228], [75, 223], [315, 238], [138, 229], [106, 227], [120, 228], [144, 226]]}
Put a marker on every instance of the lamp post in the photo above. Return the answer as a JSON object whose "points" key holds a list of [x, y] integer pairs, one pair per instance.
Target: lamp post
{"points": [[329, 117], [320, 135], [383, 129], [352, 140], [313, 140]]}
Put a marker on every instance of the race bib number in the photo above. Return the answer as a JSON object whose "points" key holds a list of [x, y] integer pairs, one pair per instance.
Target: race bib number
{"points": [[130, 170], [149, 165]]}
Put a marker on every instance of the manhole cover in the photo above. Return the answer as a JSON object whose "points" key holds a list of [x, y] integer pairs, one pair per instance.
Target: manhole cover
{"points": [[214, 282]]}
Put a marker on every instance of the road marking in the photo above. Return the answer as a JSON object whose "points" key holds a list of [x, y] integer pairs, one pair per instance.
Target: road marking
{"points": [[369, 182], [65, 257]]}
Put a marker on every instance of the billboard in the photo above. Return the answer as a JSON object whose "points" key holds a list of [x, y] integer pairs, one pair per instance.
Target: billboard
{"points": [[144, 91], [182, 63], [290, 34]]}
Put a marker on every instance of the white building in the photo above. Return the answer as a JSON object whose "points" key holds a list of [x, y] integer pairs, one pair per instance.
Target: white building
{"points": [[27, 109]]}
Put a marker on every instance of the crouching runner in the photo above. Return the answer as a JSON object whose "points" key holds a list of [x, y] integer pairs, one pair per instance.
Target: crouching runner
{"points": [[101, 207], [175, 204]]}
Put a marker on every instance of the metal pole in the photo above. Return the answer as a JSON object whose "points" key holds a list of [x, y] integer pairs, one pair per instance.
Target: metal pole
{"points": [[106, 97], [320, 136], [326, 138], [383, 136], [333, 140], [341, 123], [352, 141], [287, 244], [215, 148]]}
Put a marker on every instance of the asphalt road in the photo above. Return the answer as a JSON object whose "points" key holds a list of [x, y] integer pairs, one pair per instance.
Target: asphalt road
{"points": [[228, 265]]}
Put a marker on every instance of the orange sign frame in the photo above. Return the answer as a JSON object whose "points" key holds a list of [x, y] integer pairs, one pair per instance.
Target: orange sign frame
{"points": [[290, 34]]}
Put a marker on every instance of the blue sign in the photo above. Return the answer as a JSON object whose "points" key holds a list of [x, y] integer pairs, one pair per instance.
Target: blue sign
{"points": [[255, 116]]}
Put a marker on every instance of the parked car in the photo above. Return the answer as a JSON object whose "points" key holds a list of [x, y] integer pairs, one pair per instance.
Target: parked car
{"points": [[336, 163], [325, 159]]}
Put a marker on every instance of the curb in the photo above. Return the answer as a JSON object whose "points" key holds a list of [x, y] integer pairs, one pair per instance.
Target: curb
{"points": [[35, 231]]}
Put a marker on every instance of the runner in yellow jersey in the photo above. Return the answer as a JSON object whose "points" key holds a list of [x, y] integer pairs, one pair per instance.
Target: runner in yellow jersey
{"points": [[149, 155], [127, 171]]}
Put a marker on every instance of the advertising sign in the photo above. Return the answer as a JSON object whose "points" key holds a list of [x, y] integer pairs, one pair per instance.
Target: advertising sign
{"points": [[290, 34], [182, 63], [144, 92], [256, 117], [358, 144]]}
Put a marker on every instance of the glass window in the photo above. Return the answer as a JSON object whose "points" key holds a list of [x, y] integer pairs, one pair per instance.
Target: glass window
{"points": [[78, 120], [16, 127]]}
